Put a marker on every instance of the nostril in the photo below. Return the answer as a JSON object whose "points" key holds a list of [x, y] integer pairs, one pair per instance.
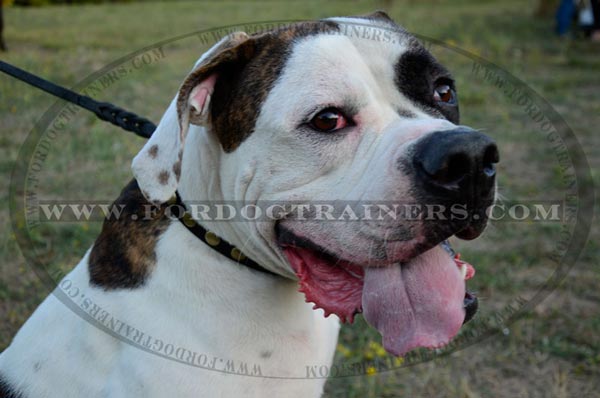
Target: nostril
{"points": [[459, 165], [447, 170], [489, 170]]}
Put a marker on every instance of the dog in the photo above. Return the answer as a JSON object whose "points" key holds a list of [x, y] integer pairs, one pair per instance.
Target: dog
{"points": [[350, 109]]}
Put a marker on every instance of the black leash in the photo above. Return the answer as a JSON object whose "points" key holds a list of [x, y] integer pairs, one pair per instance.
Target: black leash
{"points": [[105, 111], [143, 128]]}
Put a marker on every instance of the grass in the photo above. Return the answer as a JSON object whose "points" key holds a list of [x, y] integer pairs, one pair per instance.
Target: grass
{"points": [[553, 350]]}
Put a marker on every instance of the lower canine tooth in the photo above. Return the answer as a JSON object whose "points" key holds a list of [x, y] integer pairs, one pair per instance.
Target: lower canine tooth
{"points": [[463, 270]]}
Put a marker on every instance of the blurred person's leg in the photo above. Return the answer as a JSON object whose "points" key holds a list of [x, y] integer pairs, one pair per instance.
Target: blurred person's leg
{"points": [[564, 16], [595, 35]]}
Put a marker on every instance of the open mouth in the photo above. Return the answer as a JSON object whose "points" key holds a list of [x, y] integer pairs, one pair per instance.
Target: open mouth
{"points": [[418, 303]]}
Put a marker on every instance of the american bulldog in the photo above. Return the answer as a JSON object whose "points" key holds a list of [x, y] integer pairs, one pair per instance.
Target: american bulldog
{"points": [[343, 110]]}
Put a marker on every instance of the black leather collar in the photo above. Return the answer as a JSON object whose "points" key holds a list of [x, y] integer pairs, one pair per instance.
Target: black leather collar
{"points": [[213, 241]]}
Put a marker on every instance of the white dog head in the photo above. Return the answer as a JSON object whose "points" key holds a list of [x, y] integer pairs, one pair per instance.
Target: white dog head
{"points": [[342, 112]]}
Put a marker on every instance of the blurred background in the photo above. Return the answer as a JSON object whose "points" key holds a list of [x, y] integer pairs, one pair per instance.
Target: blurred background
{"points": [[552, 350]]}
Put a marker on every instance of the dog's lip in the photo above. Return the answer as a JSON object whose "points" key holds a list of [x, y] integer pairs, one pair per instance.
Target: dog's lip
{"points": [[471, 231], [287, 238]]}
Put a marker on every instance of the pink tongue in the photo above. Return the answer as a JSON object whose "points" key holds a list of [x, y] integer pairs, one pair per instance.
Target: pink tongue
{"points": [[418, 304]]}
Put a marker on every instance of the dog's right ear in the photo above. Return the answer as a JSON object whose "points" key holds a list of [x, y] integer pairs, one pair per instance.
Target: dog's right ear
{"points": [[157, 167]]}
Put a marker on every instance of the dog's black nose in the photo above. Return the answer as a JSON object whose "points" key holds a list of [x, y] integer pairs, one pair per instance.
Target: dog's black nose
{"points": [[460, 161]]}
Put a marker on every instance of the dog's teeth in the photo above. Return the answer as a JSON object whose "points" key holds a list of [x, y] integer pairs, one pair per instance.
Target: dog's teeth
{"points": [[463, 270]]}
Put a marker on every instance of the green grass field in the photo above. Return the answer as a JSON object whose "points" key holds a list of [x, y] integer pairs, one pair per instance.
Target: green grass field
{"points": [[553, 350]]}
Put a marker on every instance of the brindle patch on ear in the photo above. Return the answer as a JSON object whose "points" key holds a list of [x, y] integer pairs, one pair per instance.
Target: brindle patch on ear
{"points": [[123, 255], [377, 15], [6, 391], [246, 74]]}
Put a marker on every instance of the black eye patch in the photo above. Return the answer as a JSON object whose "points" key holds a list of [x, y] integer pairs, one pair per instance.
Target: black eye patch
{"points": [[416, 75]]}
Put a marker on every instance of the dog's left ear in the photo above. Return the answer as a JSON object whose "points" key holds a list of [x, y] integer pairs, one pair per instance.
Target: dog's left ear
{"points": [[157, 167]]}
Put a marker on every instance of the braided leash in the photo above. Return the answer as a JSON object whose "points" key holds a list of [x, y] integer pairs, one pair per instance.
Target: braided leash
{"points": [[104, 110]]}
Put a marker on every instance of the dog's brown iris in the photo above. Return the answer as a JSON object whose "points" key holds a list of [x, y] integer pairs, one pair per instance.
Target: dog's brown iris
{"points": [[328, 120], [444, 93]]}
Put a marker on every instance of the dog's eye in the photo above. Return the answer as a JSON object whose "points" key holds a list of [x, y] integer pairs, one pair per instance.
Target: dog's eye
{"points": [[444, 93], [328, 120]]}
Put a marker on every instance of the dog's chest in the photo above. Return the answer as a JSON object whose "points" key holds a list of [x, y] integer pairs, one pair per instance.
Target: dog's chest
{"points": [[192, 328]]}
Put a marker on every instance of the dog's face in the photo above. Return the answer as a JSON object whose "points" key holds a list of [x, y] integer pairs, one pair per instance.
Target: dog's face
{"points": [[356, 112]]}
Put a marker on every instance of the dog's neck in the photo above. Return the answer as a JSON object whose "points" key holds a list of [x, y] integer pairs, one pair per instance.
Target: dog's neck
{"points": [[201, 182], [200, 269]]}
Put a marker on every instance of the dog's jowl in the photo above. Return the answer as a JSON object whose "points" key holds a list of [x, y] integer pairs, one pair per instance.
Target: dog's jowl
{"points": [[350, 117]]}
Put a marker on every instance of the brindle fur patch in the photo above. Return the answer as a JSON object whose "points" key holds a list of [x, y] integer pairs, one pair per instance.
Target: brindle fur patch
{"points": [[6, 390], [163, 177], [246, 74], [123, 255], [153, 151], [177, 169]]}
